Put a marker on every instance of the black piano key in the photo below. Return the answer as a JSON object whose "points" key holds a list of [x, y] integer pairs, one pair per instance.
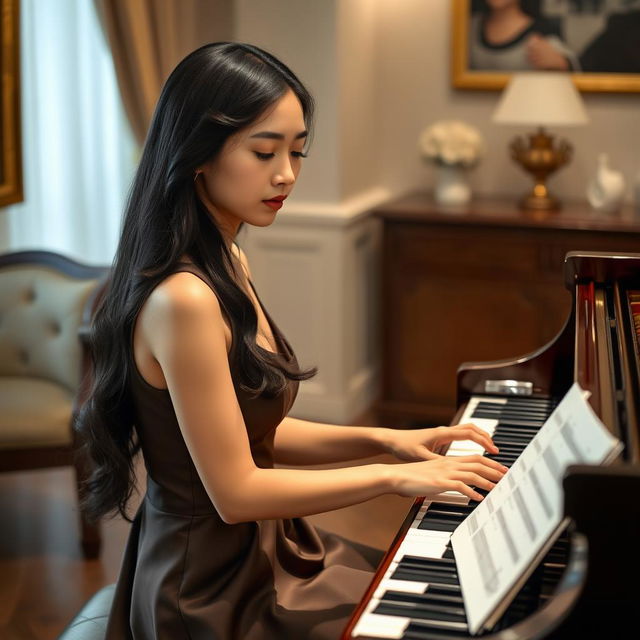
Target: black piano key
{"points": [[426, 597], [412, 634], [436, 511], [518, 438], [509, 408], [515, 431], [418, 564], [445, 589], [435, 571], [448, 553], [526, 426], [506, 445], [504, 455], [433, 562], [530, 401], [453, 606], [422, 575], [460, 628], [438, 525], [533, 416], [453, 508], [417, 611]]}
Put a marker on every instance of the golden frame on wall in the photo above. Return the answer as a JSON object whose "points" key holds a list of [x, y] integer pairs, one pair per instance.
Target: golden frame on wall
{"points": [[463, 77], [10, 138]]}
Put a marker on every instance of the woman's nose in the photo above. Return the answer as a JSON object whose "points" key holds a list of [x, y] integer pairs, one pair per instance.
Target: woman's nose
{"points": [[284, 173]]}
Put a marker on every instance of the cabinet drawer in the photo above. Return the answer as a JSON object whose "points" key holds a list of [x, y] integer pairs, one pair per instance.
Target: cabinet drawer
{"points": [[464, 252]]}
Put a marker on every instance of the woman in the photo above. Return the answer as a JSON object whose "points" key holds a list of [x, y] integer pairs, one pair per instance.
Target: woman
{"points": [[190, 368], [512, 35]]}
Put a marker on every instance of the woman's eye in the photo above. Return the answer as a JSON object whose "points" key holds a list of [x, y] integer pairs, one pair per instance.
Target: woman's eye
{"points": [[299, 154], [264, 156]]}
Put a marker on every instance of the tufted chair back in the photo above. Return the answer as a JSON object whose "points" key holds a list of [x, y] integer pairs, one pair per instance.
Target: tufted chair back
{"points": [[46, 303], [41, 311]]}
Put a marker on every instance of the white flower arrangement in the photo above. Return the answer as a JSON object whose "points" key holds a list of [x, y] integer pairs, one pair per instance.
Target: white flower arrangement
{"points": [[451, 143]]}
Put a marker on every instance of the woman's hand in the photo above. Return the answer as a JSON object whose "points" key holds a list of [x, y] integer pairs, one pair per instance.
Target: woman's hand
{"points": [[543, 55], [422, 444], [457, 473]]}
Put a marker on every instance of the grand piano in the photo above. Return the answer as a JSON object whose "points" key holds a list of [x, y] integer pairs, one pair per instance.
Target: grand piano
{"points": [[587, 585]]}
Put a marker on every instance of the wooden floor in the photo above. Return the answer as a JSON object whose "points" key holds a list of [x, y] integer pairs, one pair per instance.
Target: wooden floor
{"points": [[43, 578]]}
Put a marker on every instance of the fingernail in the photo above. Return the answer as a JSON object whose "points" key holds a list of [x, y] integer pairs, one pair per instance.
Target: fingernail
{"points": [[477, 497], [505, 469]]}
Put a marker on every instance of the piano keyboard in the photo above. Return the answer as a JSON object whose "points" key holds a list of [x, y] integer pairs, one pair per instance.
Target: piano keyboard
{"points": [[419, 596]]}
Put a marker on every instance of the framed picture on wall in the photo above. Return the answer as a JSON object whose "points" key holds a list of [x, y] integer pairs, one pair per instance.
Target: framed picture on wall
{"points": [[10, 139], [598, 41]]}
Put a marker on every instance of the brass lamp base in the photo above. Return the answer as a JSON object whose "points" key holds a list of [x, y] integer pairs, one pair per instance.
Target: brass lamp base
{"points": [[540, 158], [540, 200]]}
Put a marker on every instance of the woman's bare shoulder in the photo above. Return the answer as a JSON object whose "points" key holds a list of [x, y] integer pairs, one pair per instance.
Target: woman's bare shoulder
{"points": [[181, 302]]}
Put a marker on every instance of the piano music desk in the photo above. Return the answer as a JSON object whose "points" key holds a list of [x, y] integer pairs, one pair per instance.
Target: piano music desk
{"points": [[475, 283]]}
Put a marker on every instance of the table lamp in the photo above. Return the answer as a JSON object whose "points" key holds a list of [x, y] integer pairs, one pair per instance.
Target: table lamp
{"points": [[542, 99]]}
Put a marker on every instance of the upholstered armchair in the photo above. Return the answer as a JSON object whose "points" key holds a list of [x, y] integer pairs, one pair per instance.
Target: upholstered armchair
{"points": [[46, 302]]}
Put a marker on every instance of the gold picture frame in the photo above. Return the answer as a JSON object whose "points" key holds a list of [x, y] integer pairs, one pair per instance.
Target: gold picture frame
{"points": [[10, 139], [465, 78]]}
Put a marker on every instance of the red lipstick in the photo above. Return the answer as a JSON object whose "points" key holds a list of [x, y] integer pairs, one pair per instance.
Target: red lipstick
{"points": [[275, 203]]}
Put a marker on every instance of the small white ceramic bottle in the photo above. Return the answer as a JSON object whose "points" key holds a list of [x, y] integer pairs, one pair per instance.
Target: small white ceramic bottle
{"points": [[605, 191]]}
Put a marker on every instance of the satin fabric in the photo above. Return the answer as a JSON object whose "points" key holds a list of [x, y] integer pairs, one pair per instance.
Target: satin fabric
{"points": [[186, 574]]}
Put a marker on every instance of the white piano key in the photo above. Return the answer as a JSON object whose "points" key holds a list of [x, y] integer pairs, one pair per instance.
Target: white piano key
{"points": [[486, 424], [418, 548], [451, 497], [379, 626], [406, 586], [428, 534], [468, 451]]}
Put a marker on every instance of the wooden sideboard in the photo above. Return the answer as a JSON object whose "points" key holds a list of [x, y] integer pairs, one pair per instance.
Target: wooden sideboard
{"points": [[474, 283]]}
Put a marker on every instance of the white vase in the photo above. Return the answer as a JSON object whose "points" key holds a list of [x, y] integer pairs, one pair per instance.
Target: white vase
{"points": [[452, 185], [605, 191]]}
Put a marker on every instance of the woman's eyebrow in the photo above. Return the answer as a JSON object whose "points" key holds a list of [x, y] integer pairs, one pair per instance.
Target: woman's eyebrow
{"points": [[272, 135]]}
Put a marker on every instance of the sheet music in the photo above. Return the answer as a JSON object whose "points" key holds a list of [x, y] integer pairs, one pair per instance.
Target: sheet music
{"points": [[498, 542]]}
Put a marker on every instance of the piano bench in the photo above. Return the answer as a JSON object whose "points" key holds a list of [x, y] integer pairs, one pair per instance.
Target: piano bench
{"points": [[91, 621]]}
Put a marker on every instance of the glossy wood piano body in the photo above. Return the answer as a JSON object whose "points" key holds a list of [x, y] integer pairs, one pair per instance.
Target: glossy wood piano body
{"points": [[588, 584]]}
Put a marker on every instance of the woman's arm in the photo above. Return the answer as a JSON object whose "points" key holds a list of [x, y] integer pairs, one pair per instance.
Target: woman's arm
{"points": [[300, 442], [183, 327]]}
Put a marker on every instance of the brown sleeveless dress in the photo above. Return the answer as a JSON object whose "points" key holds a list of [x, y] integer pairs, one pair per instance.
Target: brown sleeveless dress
{"points": [[186, 574]]}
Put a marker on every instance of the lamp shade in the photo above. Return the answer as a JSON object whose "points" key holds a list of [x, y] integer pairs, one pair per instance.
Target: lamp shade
{"points": [[541, 98]]}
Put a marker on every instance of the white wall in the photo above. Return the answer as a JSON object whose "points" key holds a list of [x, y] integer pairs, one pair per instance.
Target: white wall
{"points": [[357, 78], [303, 36]]}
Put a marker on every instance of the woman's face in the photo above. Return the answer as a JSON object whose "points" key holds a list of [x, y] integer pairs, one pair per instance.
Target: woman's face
{"points": [[494, 5], [255, 165]]}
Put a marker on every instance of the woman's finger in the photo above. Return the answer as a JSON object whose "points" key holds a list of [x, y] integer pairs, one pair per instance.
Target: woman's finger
{"points": [[482, 460], [476, 480], [495, 475], [474, 433], [466, 490]]}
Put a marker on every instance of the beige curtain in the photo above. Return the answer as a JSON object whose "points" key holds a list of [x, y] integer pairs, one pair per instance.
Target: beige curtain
{"points": [[149, 37]]}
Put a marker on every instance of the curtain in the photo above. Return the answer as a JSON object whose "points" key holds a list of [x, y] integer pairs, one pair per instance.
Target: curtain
{"points": [[78, 151], [149, 37]]}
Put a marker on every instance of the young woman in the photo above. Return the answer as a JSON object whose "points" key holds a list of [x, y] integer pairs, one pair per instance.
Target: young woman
{"points": [[190, 368], [513, 35]]}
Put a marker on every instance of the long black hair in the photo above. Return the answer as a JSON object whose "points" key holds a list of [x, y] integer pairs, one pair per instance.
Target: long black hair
{"points": [[530, 7], [214, 92]]}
